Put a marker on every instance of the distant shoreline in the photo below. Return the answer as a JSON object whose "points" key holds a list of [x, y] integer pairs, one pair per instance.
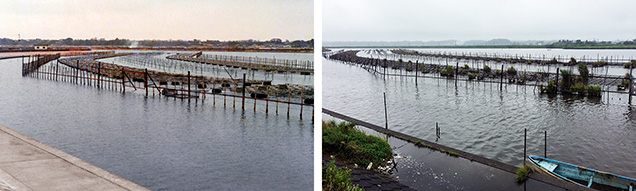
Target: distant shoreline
{"points": [[498, 47], [282, 50]]}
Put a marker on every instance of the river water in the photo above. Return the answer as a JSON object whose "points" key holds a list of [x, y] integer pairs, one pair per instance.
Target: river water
{"points": [[162, 143], [479, 118], [157, 61]]}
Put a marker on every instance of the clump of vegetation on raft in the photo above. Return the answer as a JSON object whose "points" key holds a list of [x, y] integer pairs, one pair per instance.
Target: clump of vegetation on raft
{"points": [[353, 145], [337, 179]]}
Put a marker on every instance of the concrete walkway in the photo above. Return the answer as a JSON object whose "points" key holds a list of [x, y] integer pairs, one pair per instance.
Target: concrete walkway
{"points": [[27, 164]]}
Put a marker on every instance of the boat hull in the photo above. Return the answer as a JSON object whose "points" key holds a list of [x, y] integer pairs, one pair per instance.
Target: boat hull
{"points": [[581, 176]]}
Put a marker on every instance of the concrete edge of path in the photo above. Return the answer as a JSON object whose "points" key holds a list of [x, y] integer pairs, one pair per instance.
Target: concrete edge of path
{"points": [[99, 172]]}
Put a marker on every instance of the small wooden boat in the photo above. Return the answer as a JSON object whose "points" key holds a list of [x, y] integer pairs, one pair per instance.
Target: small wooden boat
{"points": [[582, 176]]}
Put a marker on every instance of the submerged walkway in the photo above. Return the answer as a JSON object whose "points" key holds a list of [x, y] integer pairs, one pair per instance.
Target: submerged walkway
{"points": [[27, 164], [472, 171]]}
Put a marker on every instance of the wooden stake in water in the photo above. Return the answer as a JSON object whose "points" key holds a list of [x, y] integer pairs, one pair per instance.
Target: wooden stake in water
{"points": [[386, 115], [545, 144], [525, 131], [243, 96], [630, 84]]}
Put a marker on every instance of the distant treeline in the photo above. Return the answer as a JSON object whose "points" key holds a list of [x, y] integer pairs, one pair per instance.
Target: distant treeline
{"points": [[495, 43], [273, 43]]}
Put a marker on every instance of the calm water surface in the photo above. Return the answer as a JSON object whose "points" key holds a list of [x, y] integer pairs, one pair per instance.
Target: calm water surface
{"points": [[480, 119], [162, 143]]}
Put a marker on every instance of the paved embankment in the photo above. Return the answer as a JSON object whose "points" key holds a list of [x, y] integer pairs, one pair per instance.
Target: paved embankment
{"points": [[27, 164], [468, 170]]}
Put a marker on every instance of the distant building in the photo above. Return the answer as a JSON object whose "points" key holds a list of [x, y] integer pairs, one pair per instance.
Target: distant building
{"points": [[41, 47]]}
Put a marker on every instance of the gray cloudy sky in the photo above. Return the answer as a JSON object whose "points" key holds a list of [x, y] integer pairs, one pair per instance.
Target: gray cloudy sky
{"points": [[158, 19], [383, 20]]}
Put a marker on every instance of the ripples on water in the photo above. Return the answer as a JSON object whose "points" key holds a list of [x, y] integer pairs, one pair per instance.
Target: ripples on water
{"points": [[162, 143], [480, 119]]}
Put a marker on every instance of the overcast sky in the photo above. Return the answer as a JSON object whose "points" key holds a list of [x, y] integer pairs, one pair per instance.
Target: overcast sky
{"points": [[158, 19], [414, 20]]}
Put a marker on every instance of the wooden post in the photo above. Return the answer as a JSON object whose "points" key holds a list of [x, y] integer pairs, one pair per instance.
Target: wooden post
{"points": [[288, 102], [501, 78], [146, 81], [557, 79], [416, 67], [386, 115], [188, 85], [301, 103], [57, 67], [243, 96], [77, 72], [545, 144], [266, 100], [99, 75], [123, 86], [630, 84], [525, 131]]}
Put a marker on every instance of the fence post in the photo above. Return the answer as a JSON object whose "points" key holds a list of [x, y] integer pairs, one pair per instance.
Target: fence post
{"points": [[557, 80], [630, 84], [386, 115], [146, 80], [501, 78], [123, 83], [416, 67], [525, 131], [545, 144], [57, 67], [243, 96]]}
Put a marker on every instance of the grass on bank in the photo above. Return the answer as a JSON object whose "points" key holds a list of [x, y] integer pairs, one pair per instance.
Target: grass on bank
{"points": [[353, 145], [337, 179]]}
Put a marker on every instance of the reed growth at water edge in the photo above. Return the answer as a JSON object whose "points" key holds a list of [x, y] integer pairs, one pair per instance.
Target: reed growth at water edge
{"points": [[336, 178], [353, 145]]}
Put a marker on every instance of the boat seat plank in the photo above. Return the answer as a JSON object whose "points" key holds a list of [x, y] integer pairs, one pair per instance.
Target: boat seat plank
{"points": [[548, 165]]}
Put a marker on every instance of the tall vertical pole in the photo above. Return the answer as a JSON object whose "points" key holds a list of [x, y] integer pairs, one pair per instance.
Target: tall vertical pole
{"points": [[243, 96], [386, 115], [416, 67], [501, 79], [525, 131], [57, 67], [99, 75], [146, 81], [557, 79], [123, 84], [77, 72], [545, 144], [188, 85], [630, 84]]}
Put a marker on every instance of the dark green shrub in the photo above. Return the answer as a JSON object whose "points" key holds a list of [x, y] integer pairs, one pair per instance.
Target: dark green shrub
{"points": [[584, 72], [594, 91], [448, 71], [572, 61], [354, 145], [578, 88], [471, 76], [631, 63], [512, 71], [551, 88], [487, 69], [566, 79]]}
